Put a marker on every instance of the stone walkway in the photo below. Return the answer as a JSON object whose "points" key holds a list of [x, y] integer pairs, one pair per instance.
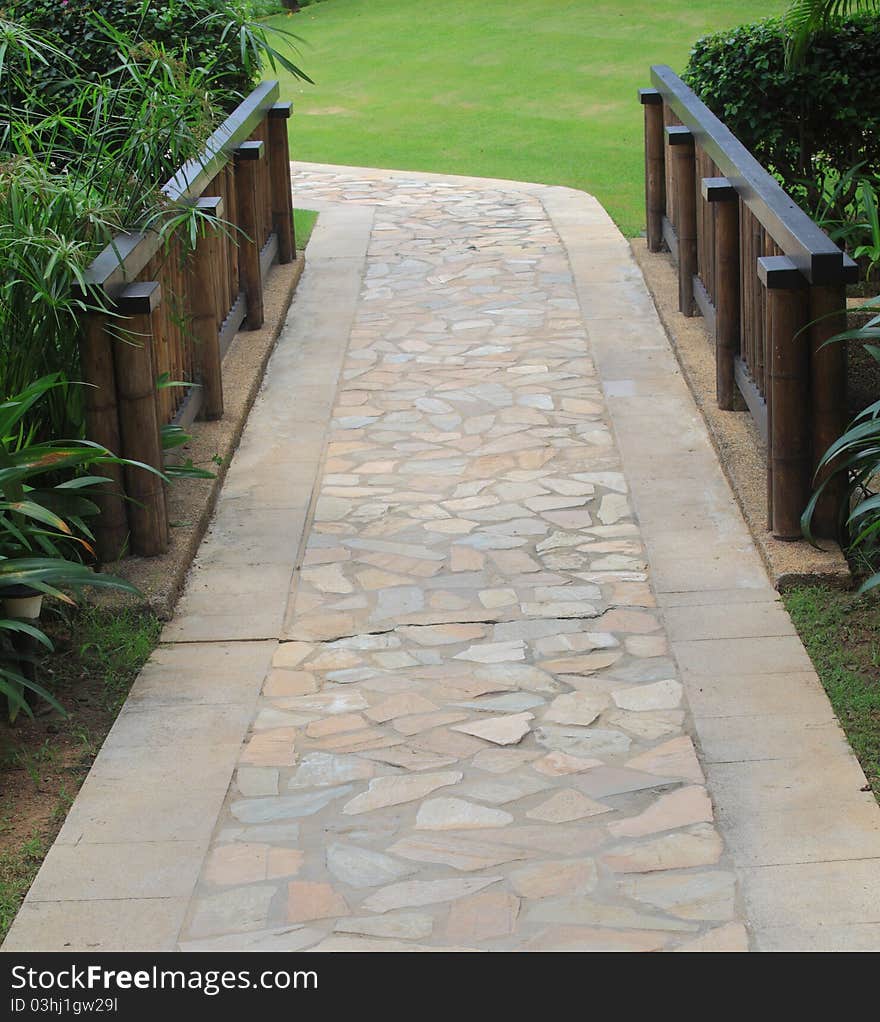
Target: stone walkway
{"points": [[433, 623], [490, 739]]}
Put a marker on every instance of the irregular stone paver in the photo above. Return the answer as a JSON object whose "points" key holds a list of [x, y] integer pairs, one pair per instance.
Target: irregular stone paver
{"points": [[473, 734]]}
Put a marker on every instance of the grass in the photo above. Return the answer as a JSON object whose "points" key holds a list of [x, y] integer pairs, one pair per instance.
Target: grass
{"points": [[303, 225], [44, 760], [840, 632], [518, 89]]}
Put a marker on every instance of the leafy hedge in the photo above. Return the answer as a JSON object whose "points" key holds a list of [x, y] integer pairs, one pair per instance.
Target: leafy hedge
{"points": [[809, 124], [195, 29]]}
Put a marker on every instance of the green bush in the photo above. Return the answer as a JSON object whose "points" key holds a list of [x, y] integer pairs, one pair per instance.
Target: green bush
{"points": [[205, 33], [808, 124], [69, 181], [83, 151]]}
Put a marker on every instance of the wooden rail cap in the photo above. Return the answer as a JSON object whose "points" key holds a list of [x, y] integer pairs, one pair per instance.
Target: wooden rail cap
{"points": [[818, 258], [212, 205], [250, 151], [140, 299], [128, 254], [282, 111], [780, 273], [717, 189], [678, 134], [650, 97]]}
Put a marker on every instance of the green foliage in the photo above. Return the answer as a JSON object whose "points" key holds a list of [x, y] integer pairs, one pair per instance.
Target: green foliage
{"points": [[83, 160], [868, 223], [189, 29], [855, 457], [806, 123], [43, 529], [68, 184], [806, 18], [218, 38], [840, 633], [17, 871], [848, 212], [104, 650], [113, 645], [304, 221]]}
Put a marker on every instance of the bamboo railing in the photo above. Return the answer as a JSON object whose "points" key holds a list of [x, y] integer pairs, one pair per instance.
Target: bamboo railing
{"points": [[767, 280], [172, 312]]}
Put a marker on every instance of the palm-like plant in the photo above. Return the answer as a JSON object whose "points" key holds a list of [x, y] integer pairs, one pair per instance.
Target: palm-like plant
{"points": [[44, 509], [804, 18], [855, 456]]}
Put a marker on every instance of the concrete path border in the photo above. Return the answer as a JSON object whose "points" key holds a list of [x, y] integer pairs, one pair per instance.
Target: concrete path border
{"points": [[123, 868], [790, 796]]}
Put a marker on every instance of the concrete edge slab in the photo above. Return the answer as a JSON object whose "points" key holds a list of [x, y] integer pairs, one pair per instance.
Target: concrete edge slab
{"points": [[735, 437], [142, 821], [831, 900]]}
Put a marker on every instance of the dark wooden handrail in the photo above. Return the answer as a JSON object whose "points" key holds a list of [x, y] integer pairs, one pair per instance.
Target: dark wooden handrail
{"points": [[129, 252], [806, 244], [170, 309], [768, 281]]}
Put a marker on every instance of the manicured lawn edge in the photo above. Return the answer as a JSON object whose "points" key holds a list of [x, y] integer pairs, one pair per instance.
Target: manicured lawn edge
{"points": [[840, 632]]}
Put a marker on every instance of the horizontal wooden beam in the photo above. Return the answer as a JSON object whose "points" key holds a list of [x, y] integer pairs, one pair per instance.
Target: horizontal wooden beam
{"points": [[705, 306], [671, 238], [751, 395]]}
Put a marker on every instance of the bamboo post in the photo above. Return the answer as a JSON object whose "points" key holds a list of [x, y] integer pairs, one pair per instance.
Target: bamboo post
{"points": [[828, 378], [246, 157], [725, 214], [682, 141], [102, 427], [789, 440], [138, 419], [655, 167], [205, 268], [282, 190]]}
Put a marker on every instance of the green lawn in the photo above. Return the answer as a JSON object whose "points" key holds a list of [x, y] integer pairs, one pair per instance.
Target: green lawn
{"points": [[839, 631], [535, 91], [303, 225]]}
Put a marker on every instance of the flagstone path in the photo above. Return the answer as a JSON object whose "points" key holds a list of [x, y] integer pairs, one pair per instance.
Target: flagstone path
{"points": [[419, 693], [472, 734]]}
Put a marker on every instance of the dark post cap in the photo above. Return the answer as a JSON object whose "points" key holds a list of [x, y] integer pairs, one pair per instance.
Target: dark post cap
{"points": [[211, 204], [650, 97], [679, 134], [249, 151], [140, 298], [280, 110], [850, 270], [779, 273], [717, 189]]}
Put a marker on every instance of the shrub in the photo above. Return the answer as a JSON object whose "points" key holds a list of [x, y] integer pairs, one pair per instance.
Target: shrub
{"points": [[195, 29], [808, 124], [855, 458], [68, 184], [83, 150]]}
